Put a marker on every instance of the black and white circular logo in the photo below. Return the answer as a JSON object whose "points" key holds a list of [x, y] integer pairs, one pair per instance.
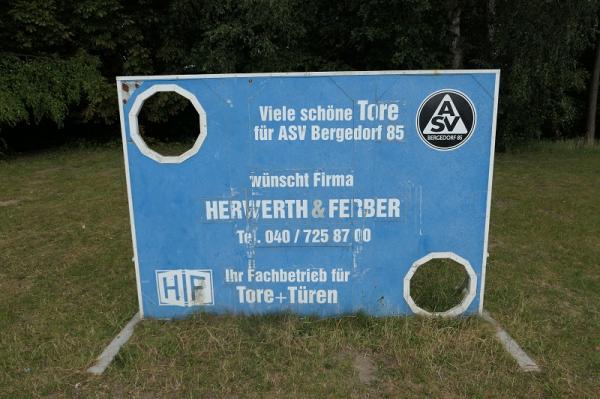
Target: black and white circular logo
{"points": [[446, 119]]}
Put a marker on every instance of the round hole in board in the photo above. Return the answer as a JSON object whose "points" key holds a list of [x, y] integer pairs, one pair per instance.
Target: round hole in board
{"points": [[440, 284], [167, 123]]}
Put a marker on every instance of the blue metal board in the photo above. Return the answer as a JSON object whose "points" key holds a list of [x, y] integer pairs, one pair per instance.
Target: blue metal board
{"points": [[315, 193]]}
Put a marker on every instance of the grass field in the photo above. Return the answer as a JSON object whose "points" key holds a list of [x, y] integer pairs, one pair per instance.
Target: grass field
{"points": [[67, 287]]}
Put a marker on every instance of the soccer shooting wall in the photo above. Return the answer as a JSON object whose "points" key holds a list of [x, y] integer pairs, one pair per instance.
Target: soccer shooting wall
{"points": [[317, 193]]}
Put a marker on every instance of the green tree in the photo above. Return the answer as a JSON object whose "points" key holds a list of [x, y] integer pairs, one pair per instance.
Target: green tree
{"points": [[537, 45], [592, 105], [44, 73], [58, 59]]}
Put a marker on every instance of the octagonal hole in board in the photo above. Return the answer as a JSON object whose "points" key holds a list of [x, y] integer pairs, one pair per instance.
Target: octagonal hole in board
{"points": [[167, 123], [440, 284]]}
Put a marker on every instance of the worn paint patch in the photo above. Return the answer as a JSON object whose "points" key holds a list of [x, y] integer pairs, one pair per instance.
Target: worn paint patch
{"points": [[127, 89]]}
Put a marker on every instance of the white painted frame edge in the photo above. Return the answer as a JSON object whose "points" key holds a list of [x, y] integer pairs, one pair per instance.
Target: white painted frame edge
{"points": [[129, 200], [489, 192], [306, 74]]}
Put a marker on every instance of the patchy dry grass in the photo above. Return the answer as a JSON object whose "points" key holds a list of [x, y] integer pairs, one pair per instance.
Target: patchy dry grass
{"points": [[67, 286]]}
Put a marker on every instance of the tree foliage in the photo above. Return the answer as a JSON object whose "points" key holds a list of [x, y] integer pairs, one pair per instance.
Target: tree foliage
{"points": [[537, 46], [58, 59]]}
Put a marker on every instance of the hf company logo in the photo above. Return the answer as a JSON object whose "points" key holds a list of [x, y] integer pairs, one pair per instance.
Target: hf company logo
{"points": [[184, 287], [446, 119]]}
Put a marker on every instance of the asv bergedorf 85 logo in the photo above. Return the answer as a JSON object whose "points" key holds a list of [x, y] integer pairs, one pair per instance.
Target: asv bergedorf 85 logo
{"points": [[446, 119]]}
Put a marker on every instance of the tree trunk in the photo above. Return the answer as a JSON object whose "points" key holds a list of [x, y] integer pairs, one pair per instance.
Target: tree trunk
{"points": [[457, 54], [491, 15], [593, 98]]}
